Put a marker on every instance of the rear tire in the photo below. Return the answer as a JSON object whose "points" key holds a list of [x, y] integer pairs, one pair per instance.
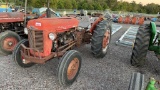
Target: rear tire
{"points": [[17, 54], [101, 39], [69, 67], [8, 41], [141, 45]]}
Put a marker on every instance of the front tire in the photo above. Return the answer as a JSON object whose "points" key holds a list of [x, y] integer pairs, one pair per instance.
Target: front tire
{"points": [[101, 39], [8, 41], [69, 67], [17, 57], [141, 45]]}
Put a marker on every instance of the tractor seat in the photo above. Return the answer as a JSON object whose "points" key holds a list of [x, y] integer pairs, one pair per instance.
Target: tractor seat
{"points": [[84, 24], [85, 21]]}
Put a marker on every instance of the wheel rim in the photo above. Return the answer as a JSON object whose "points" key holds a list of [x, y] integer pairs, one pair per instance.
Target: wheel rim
{"points": [[9, 43], [106, 40], [73, 68]]}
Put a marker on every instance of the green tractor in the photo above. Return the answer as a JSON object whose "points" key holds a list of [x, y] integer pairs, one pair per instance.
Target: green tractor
{"points": [[147, 38]]}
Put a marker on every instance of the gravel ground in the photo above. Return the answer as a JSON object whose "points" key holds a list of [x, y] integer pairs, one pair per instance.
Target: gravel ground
{"points": [[113, 72]]}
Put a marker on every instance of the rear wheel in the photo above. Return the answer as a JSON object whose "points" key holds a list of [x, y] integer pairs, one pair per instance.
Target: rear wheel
{"points": [[17, 57], [8, 41], [69, 67], [141, 45], [101, 39]]}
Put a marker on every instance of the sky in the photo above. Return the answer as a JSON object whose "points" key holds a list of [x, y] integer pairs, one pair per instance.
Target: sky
{"points": [[144, 2]]}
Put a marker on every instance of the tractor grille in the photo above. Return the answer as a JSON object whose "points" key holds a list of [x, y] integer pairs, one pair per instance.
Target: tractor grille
{"points": [[35, 38]]}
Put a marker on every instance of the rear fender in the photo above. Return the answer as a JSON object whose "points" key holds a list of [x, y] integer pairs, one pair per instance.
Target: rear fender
{"points": [[95, 24], [153, 32]]}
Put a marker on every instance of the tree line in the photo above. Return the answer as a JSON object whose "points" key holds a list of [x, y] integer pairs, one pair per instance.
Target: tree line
{"points": [[113, 5]]}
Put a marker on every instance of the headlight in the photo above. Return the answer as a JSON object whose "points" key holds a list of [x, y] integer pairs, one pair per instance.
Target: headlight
{"points": [[25, 30], [52, 36]]}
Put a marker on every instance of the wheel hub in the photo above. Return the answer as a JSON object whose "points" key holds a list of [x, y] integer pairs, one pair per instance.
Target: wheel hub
{"points": [[9, 43], [106, 40], [73, 68]]}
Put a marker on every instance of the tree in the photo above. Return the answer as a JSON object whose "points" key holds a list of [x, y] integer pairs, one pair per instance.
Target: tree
{"points": [[68, 4], [74, 4], [97, 6], [114, 5], [60, 4], [85, 6], [90, 7], [152, 8]]}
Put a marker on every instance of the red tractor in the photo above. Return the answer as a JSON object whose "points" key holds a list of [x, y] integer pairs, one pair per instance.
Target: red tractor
{"points": [[50, 38]]}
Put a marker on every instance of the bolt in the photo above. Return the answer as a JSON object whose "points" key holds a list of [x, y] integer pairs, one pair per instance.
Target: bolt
{"points": [[10, 43]]}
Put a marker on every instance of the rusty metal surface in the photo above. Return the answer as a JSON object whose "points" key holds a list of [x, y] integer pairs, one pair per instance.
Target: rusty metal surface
{"points": [[106, 39], [64, 47], [95, 23], [87, 37], [35, 38], [79, 37], [25, 52], [73, 68], [11, 17], [54, 24], [34, 55], [69, 47], [97, 14], [9, 43]]}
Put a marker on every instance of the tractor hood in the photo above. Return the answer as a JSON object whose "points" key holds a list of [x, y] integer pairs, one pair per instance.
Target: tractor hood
{"points": [[11, 17], [53, 24]]}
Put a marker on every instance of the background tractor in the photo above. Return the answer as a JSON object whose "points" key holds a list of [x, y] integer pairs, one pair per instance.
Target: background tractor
{"points": [[11, 30], [12, 26], [50, 38], [147, 38]]}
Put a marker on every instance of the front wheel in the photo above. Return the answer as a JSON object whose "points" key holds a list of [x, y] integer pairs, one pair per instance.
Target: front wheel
{"points": [[69, 67], [17, 57], [101, 39]]}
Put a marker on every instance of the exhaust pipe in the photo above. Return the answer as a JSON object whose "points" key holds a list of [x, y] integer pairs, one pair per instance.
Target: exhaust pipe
{"points": [[48, 11], [25, 12]]}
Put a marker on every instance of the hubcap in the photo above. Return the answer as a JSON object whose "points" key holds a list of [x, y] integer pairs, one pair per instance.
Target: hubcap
{"points": [[9, 43], [106, 40], [72, 68]]}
